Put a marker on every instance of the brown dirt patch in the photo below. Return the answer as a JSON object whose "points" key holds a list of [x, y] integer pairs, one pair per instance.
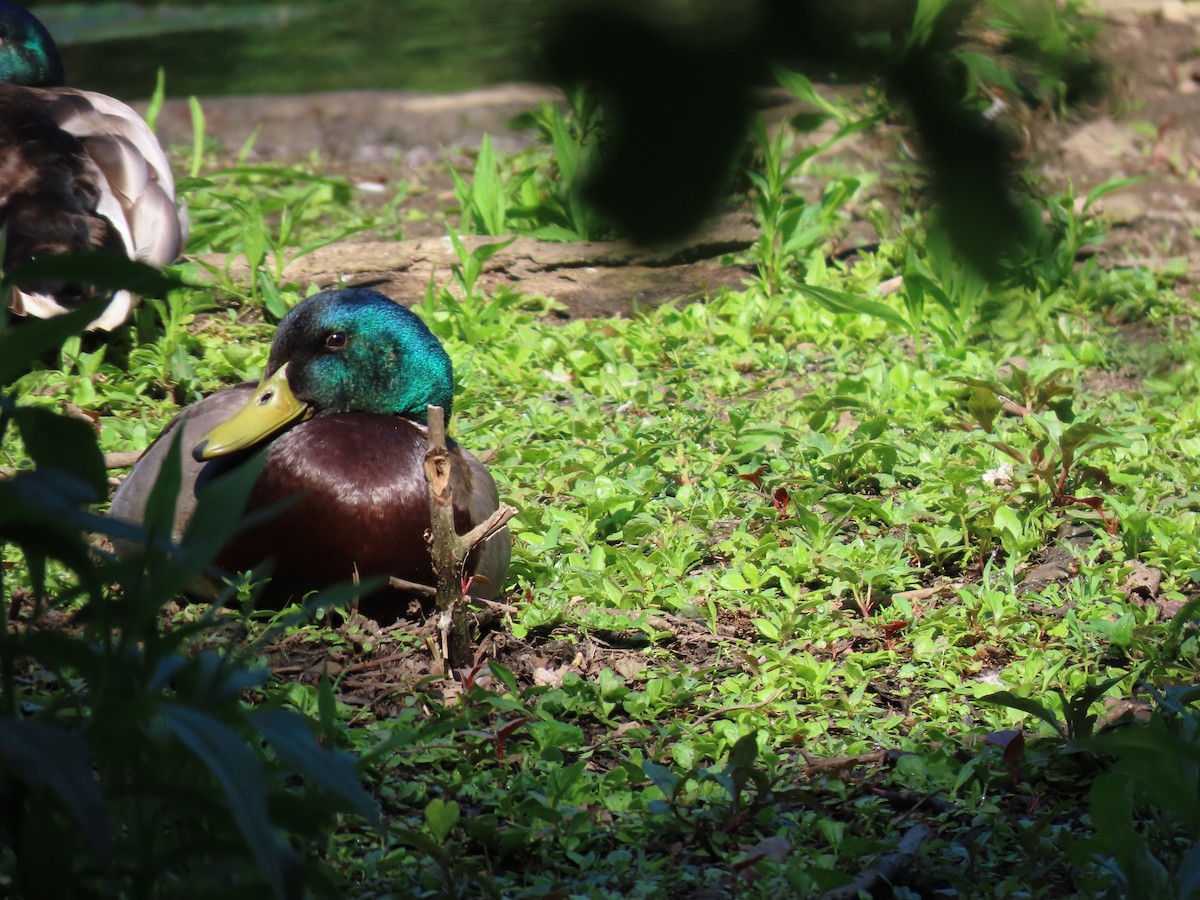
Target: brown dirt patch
{"points": [[377, 667]]}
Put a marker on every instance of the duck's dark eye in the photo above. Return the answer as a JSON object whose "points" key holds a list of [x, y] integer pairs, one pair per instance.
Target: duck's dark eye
{"points": [[336, 340]]}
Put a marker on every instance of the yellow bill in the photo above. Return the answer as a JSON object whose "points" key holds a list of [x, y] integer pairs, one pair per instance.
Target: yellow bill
{"points": [[272, 406]]}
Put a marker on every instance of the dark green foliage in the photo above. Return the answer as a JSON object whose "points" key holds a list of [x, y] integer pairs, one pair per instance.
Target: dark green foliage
{"points": [[130, 764], [1146, 808]]}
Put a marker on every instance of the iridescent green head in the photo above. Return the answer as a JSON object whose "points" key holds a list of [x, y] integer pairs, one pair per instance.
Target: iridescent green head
{"points": [[342, 351], [28, 55], [356, 350]]}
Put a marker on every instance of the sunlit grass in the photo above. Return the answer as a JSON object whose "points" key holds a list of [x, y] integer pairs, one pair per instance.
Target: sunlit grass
{"points": [[751, 494]]}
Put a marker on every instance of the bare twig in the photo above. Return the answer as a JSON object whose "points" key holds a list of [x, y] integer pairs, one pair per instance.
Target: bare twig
{"points": [[909, 800], [444, 548], [415, 587], [918, 593], [874, 758], [494, 606], [123, 459], [378, 662], [485, 529], [448, 549]]}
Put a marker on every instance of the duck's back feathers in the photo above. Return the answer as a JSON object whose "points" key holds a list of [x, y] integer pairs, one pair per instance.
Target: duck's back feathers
{"points": [[134, 166], [81, 171]]}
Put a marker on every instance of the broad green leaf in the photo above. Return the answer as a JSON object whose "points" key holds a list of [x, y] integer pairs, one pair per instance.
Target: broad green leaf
{"points": [[924, 21], [503, 675], [330, 770], [984, 407], [744, 752], [1189, 873], [65, 443], [1081, 433], [342, 595], [327, 709], [566, 150], [487, 192], [37, 753], [106, 271], [1107, 187], [1111, 806], [196, 162], [24, 342], [154, 107], [220, 503], [852, 304], [557, 233], [484, 252], [1007, 522], [159, 514], [240, 775], [422, 843], [666, 780], [1025, 705], [42, 512], [441, 816], [802, 88]]}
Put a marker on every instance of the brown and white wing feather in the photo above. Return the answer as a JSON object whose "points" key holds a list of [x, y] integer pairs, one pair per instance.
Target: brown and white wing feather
{"points": [[82, 171], [134, 166]]}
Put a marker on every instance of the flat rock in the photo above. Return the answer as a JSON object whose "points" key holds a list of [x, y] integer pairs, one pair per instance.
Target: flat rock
{"points": [[590, 278]]}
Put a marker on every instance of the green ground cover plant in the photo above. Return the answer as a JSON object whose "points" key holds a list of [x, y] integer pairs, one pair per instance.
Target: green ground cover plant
{"points": [[772, 610]]}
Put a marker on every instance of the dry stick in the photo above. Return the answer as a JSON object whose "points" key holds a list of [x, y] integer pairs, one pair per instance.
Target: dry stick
{"points": [[119, 460], [378, 662], [886, 868], [449, 550], [915, 800], [122, 459], [495, 607], [416, 587], [874, 758], [918, 593], [452, 622]]}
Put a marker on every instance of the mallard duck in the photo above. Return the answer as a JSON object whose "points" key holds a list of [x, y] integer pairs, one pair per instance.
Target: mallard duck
{"points": [[78, 171], [342, 414]]}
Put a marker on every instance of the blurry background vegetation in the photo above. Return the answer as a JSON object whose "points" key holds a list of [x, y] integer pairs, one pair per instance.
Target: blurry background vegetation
{"points": [[217, 47]]}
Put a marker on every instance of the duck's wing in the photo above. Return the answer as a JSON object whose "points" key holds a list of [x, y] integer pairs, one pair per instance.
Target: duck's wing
{"points": [[193, 423], [49, 191], [134, 167], [475, 489], [81, 171]]}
